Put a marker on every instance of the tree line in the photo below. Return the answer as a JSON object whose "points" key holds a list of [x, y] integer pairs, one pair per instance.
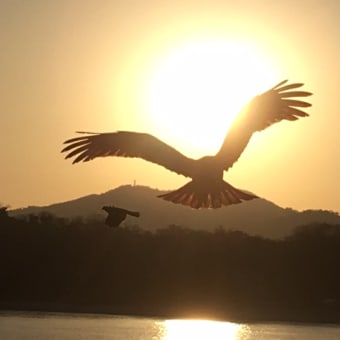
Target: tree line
{"points": [[57, 264]]}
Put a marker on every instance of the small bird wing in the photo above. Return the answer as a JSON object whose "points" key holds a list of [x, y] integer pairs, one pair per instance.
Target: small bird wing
{"points": [[127, 144], [264, 110]]}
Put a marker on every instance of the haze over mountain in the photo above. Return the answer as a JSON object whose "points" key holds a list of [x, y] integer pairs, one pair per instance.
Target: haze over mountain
{"points": [[256, 217]]}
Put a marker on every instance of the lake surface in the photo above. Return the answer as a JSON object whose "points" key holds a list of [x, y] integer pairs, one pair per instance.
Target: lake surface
{"points": [[60, 326]]}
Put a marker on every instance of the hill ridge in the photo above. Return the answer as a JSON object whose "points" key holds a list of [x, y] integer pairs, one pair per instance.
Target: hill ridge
{"points": [[257, 217]]}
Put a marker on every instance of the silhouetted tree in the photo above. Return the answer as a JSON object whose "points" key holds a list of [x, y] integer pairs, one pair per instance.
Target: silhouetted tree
{"points": [[3, 214], [72, 265]]}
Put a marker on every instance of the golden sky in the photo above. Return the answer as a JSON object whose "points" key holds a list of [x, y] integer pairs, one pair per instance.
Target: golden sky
{"points": [[71, 65]]}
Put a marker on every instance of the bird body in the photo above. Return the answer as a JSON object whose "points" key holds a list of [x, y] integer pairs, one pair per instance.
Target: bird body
{"points": [[207, 189], [117, 215]]}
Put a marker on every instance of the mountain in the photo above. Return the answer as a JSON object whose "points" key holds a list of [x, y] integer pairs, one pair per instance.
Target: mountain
{"points": [[256, 217]]}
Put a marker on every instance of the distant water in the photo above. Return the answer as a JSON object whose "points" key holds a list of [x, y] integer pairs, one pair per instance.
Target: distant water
{"points": [[60, 326]]}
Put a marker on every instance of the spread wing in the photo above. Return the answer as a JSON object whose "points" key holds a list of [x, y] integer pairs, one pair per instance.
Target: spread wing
{"points": [[264, 110], [127, 144]]}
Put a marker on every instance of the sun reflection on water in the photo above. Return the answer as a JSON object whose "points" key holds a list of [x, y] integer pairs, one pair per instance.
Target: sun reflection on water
{"points": [[202, 330]]}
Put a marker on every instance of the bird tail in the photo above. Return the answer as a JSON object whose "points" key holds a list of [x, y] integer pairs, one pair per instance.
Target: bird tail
{"points": [[214, 197], [133, 213]]}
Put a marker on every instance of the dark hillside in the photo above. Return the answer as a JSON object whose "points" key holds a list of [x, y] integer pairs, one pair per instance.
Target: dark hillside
{"points": [[257, 217]]}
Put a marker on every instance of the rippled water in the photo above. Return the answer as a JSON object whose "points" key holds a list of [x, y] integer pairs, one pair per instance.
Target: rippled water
{"points": [[42, 326]]}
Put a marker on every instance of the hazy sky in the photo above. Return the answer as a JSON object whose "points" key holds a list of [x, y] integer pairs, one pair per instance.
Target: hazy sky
{"points": [[72, 65]]}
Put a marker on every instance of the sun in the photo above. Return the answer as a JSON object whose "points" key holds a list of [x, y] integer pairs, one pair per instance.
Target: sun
{"points": [[196, 90], [201, 330]]}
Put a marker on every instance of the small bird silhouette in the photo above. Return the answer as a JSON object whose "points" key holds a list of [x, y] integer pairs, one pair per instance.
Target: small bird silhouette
{"points": [[117, 215], [207, 189]]}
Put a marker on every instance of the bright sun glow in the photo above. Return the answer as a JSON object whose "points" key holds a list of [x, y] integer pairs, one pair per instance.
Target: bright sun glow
{"points": [[201, 330], [196, 91]]}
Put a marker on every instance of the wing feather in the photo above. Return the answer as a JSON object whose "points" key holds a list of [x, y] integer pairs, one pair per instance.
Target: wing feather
{"points": [[295, 94], [297, 103], [127, 144], [264, 110]]}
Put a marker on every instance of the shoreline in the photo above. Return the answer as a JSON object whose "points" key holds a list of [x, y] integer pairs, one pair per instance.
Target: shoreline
{"points": [[111, 312]]}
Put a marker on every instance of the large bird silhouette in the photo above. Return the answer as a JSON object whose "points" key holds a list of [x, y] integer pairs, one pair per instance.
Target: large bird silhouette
{"points": [[207, 189]]}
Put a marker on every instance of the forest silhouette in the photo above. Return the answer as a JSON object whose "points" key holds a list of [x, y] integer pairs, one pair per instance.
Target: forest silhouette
{"points": [[71, 265]]}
